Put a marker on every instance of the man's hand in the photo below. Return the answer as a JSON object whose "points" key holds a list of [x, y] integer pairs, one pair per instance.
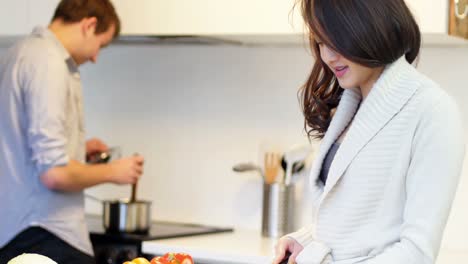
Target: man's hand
{"points": [[127, 170], [76, 176], [95, 145]]}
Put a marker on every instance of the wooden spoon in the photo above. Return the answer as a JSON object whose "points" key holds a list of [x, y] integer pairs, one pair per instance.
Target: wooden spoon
{"points": [[272, 164], [134, 187], [134, 190]]}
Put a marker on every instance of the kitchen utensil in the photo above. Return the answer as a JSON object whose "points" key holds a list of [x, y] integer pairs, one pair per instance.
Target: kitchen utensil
{"points": [[460, 14], [286, 258], [134, 187], [278, 209], [133, 194], [245, 167], [105, 156], [271, 162], [292, 156], [28, 258], [296, 168], [125, 216]]}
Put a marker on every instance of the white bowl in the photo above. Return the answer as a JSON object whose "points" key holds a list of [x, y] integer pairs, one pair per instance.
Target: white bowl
{"points": [[31, 259]]}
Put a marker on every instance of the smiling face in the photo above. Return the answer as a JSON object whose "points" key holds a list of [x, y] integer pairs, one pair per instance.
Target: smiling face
{"points": [[349, 74], [359, 41]]}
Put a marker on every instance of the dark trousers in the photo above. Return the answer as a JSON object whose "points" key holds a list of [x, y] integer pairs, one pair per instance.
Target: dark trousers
{"points": [[40, 241]]}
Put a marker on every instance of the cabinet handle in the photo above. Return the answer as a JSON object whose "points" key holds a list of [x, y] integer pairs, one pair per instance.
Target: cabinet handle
{"points": [[457, 11]]}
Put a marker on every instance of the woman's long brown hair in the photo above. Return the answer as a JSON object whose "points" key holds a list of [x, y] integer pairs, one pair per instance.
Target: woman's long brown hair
{"points": [[372, 33]]}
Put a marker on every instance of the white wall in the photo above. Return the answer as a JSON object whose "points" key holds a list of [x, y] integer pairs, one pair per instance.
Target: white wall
{"points": [[194, 111]]}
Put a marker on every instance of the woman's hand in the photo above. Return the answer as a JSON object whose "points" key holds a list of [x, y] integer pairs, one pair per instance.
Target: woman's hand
{"points": [[287, 244]]}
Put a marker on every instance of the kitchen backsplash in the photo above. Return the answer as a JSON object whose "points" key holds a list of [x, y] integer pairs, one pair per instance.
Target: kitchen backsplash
{"points": [[195, 111]]}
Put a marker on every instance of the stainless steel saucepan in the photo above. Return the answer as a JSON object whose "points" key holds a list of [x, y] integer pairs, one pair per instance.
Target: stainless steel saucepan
{"points": [[122, 215], [126, 216]]}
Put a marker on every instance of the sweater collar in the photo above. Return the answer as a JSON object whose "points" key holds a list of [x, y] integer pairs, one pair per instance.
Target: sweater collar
{"points": [[390, 93]]}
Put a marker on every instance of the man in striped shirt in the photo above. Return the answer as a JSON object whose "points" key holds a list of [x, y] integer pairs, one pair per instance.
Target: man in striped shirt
{"points": [[42, 144]]}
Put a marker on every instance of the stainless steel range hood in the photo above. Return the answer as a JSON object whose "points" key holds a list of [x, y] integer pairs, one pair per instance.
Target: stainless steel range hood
{"points": [[173, 40], [233, 39]]}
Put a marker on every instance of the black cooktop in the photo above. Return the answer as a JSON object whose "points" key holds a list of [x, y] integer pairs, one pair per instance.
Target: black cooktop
{"points": [[158, 230]]}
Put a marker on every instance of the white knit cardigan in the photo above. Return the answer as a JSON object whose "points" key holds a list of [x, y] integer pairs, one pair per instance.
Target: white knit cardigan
{"points": [[393, 179]]}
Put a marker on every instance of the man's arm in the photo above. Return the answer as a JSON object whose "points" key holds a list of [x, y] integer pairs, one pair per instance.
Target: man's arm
{"points": [[76, 176], [43, 77]]}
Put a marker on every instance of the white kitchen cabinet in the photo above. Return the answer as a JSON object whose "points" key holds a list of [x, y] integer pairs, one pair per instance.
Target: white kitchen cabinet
{"points": [[207, 17], [252, 21], [203, 17], [13, 17], [431, 15], [227, 17], [433, 19], [248, 21]]}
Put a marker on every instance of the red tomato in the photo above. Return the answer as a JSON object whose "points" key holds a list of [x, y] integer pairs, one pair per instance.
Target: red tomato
{"points": [[159, 260], [178, 258]]}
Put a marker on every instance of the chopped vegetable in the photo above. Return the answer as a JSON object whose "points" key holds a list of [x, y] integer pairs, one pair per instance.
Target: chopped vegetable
{"points": [[168, 258]]}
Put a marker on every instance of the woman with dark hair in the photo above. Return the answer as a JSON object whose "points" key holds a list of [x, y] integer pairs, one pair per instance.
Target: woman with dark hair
{"points": [[392, 142]]}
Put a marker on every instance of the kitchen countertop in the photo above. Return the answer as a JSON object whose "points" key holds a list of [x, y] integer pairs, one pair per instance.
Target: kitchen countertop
{"points": [[238, 247], [246, 247]]}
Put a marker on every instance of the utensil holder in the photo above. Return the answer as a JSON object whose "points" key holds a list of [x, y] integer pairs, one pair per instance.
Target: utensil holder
{"points": [[278, 209]]}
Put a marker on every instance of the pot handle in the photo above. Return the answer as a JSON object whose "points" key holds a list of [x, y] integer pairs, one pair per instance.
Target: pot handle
{"points": [[94, 198]]}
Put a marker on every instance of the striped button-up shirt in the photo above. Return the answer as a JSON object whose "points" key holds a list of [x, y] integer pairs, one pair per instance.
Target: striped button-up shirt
{"points": [[41, 124]]}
